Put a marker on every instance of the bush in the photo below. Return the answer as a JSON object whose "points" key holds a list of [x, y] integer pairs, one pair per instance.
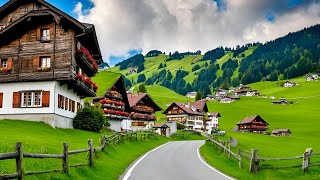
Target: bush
{"points": [[90, 118]]}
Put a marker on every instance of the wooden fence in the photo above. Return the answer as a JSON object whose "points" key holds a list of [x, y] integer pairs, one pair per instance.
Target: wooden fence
{"points": [[256, 161], [114, 139]]}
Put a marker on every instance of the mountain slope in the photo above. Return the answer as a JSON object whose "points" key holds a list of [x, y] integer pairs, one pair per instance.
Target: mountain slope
{"points": [[290, 56]]}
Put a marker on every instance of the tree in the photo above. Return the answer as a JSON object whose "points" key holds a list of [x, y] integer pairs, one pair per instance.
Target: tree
{"points": [[140, 68], [90, 118], [198, 96], [273, 76], [142, 88], [160, 66], [141, 78]]}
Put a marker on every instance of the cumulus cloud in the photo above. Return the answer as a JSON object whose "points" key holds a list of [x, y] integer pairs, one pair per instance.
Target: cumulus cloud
{"points": [[190, 25]]}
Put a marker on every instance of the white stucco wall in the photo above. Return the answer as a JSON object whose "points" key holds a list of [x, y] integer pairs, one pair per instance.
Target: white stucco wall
{"points": [[51, 115], [126, 124]]}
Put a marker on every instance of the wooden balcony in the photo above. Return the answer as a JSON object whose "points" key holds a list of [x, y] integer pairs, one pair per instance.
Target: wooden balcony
{"points": [[85, 64]]}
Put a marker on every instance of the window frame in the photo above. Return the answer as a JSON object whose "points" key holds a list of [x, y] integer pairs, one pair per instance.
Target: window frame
{"points": [[43, 36], [30, 100], [2, 62], [47, 60]]}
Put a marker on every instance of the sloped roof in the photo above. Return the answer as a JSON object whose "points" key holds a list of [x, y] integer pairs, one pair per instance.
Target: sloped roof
{"points": [[215, 114], [162, 125], [134, 99], [200, 105], [184, 108], [250, 119], [280, 130]]}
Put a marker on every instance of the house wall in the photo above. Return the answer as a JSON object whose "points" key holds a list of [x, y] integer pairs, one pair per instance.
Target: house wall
{"points": [[173, 126], [126, 124], [52, 115], [115, 125]]}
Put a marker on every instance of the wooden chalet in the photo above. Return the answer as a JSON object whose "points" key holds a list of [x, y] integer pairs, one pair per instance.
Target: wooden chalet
{"points": [[191, 114], [212, 122], [115, 104], [142, 111], [47, 59], [253, 124], [281, 132]]}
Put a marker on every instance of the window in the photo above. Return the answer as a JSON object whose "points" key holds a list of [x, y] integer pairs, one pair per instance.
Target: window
{"points": [[45, 62], [4, 63], [31, 99], [66, 103], [45, 35]]}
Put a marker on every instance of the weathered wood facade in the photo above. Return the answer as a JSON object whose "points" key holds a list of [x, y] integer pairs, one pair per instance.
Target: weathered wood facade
{"points": [[253, 124], [40, 43]]}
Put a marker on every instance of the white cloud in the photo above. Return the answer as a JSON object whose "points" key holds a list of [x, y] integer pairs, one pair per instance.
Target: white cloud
{"points": [[190, 25]]}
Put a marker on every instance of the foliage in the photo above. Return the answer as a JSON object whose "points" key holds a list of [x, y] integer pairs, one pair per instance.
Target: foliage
{"points": [[178, 56], [196, 67], [90, 118], [153, 53], [214, 54], [141, 78], [160, 66], [198, 96], [134, 61], [127, 82], [142, 88], [140, 68]]}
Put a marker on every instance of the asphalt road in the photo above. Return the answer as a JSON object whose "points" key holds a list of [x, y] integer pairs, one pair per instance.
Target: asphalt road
{"points": [[173, 161]]}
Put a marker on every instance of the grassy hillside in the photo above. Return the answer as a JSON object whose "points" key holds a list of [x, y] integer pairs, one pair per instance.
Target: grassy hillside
{"points": [[105, 80], [41, 138], [302, 118]]}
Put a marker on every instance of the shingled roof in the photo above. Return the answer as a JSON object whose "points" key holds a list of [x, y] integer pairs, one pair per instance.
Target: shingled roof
{"points": [[199, 105], [250, 119], [134, 99], [184, 108]]}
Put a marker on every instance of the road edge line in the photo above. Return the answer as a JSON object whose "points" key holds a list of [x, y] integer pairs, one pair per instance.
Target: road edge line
{"points": [[205, 163], [128, 174]]}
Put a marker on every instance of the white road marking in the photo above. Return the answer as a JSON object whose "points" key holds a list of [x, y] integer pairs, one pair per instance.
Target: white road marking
{"points": [[198, 152], [128, 174]]}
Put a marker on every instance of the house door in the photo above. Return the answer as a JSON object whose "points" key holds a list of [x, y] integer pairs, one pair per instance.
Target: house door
{"points": [[163, 131]]}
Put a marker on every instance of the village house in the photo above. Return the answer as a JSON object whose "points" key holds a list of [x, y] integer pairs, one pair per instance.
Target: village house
{"points": [[126, 111], [131, 70], [162, 129], [212, 123], [281, 132], [290, 84], [191, 94], [312, 77], [142, 112], [221, 93], [281, 101], [47, 60], [115, 103], [252, 93], [253, 124], [185, 114]]}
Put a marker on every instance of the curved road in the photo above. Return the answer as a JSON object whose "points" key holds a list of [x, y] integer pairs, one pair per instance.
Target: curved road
{"points": [[179, 160]]}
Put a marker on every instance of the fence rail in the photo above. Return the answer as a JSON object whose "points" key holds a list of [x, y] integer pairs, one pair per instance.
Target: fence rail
{"points": [[255, 159], [19, 155]]}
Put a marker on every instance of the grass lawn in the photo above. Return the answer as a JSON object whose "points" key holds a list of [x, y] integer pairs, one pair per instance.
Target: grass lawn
{"points": [[41, 138], [302, 118]]}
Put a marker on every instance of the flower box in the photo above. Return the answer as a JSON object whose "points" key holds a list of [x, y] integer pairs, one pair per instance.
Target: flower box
{"points": [[5, 70]]}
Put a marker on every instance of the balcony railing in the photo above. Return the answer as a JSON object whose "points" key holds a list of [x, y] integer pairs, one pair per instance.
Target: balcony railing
{"points": [[137, 116], [143, 108], [86, 61]]}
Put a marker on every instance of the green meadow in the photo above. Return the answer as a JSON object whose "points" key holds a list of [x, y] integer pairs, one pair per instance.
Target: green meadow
{"points": [[40, 138]]}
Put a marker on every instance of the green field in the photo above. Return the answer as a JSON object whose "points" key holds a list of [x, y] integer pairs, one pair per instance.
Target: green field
{"points": [[40, 138], [302, 118]]}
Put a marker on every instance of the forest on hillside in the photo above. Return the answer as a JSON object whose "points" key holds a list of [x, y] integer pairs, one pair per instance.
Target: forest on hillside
{"points": [[293, 55]]}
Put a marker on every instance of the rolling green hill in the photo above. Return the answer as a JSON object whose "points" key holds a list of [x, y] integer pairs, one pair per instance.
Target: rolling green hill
{"points": [[287, 57], [38, 137]]}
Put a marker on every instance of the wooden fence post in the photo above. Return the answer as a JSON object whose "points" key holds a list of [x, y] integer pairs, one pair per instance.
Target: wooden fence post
{"points": [[103, 142], [224, 150], [254, 162], [19, 161], [65, 163], [240, 160], [229, 147], [306, 160], [91, 150]]}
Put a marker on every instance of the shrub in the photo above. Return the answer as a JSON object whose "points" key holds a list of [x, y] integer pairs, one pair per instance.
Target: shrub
{"points": [[90, 118]]}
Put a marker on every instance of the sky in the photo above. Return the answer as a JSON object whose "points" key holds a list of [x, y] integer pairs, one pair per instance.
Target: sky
{"points": [[128, 27]]}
